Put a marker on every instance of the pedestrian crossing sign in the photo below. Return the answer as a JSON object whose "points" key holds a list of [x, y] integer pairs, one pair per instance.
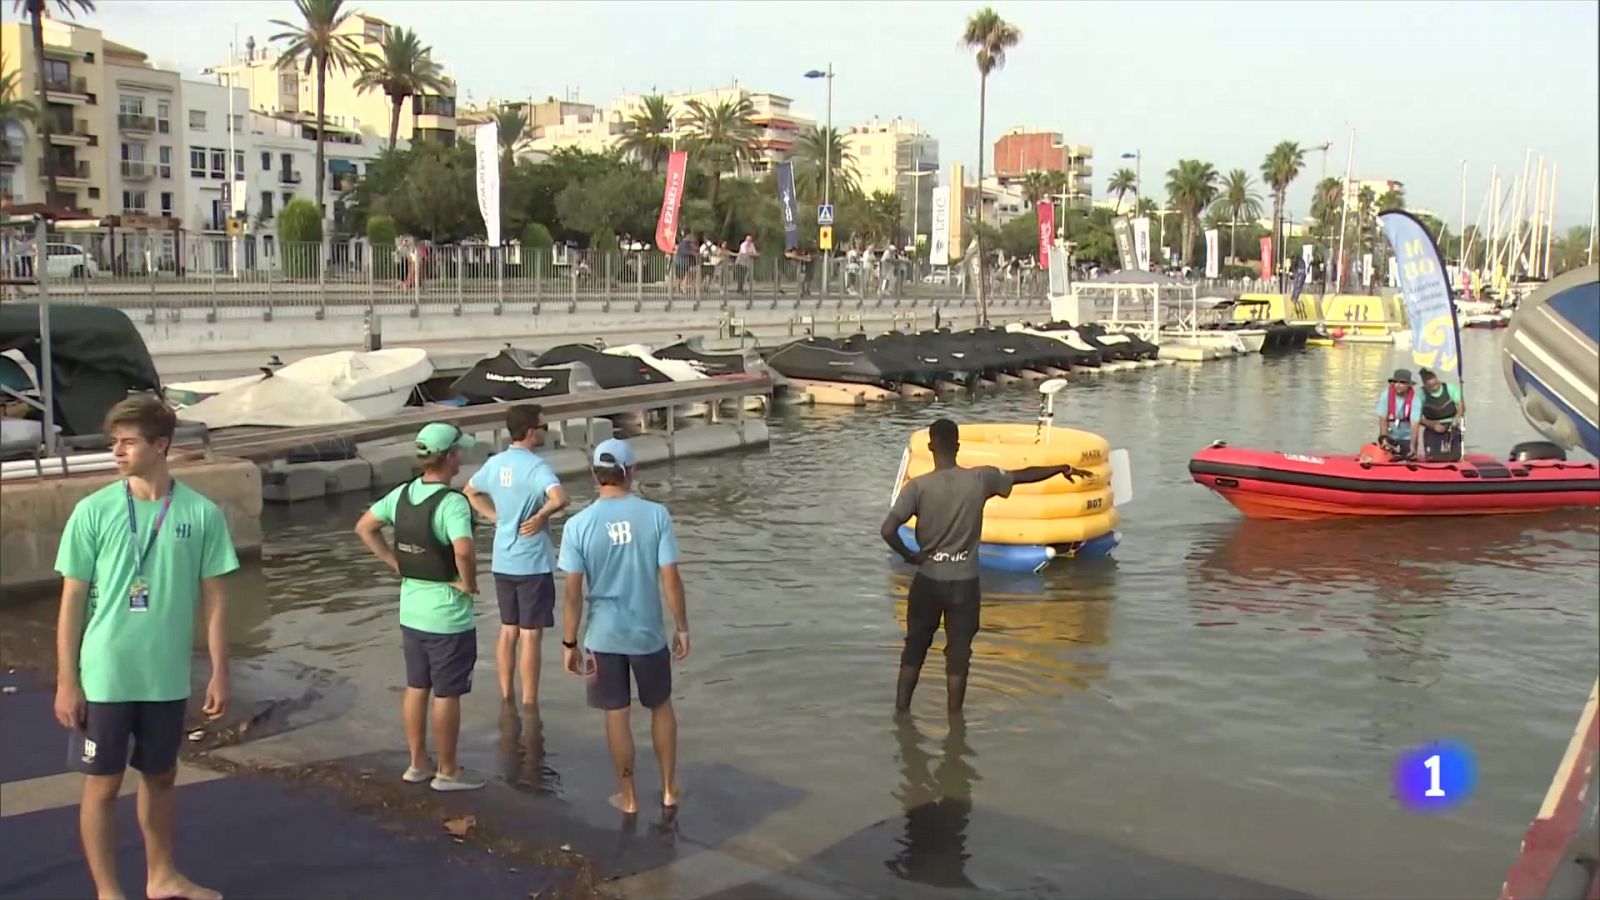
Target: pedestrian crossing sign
{"points": [[825, 214]]}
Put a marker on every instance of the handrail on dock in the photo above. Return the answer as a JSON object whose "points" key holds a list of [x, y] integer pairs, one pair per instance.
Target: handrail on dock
{"points": [[268, 445]]}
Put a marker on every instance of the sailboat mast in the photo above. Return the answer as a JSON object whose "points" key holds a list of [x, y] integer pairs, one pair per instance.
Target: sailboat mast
{"points": [[1461, 236], [1344, 210], [1550, 219]]}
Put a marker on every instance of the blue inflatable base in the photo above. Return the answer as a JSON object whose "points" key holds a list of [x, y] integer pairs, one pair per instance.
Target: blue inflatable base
{"points": [[1031, 557]]}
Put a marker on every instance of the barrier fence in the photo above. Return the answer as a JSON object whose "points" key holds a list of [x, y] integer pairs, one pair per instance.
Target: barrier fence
{"points": [[248, 275]]}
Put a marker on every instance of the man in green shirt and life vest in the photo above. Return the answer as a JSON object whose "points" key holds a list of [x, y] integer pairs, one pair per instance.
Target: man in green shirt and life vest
{"points": [[438, 571], [1439, 429], [137, 559]]}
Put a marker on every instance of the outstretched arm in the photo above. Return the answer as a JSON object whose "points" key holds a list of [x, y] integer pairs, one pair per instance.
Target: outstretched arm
{"points": [[1042, 473]]}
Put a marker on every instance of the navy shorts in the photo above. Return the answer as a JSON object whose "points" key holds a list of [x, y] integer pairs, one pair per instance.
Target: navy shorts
{"points": [[607, 686], [153, 731], [441, 663], [526, 601]]}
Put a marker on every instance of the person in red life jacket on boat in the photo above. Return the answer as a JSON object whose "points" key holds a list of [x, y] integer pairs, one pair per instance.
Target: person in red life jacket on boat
{"points": [[1442, 412], [1399, 414]]}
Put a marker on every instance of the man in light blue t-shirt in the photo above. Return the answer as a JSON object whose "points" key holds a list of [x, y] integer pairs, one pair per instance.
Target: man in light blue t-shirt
{"points": [[1399, 410], [518, 492], [623, 548]]}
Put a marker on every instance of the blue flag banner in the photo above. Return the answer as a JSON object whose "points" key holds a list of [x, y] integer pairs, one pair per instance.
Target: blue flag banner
{"points": [[1425, 288], [786, 207]]}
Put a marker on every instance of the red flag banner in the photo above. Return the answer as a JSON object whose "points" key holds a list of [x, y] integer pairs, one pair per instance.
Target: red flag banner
{"points": [[1266, 259], [671, 200], [1047, 232]]}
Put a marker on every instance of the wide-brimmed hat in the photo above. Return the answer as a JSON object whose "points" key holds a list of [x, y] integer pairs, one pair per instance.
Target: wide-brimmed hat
{"points": [[1401, 376]]}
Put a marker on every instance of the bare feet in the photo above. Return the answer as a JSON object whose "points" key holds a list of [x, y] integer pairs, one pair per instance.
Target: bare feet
{"points": [[627, 803], [177, 886], [669, 797]]}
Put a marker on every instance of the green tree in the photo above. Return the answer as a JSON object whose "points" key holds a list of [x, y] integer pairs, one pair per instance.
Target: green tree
{"points": [[380, 243], [1123, 181], [403, 68], [36, 10], [511, 129], [316, 44], [1191, 186], [1366, 200], [1393, 198], [1237, 200], [14, 108], [536, 236], [1037, 187], [721, 137], [816, 148], [1570, 249], [989, 37], [1327, 201], [648, 133], [1281, 167], [300, 238], [618, 202], [882, 217]]}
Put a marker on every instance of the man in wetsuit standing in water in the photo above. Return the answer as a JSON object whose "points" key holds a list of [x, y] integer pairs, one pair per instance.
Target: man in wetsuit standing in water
{"points": [[948, 504]]}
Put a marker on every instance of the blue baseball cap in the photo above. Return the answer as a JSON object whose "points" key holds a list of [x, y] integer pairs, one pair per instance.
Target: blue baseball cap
{"points": [[613, 453]]}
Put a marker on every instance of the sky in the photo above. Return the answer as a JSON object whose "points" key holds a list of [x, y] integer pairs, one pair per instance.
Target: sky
{"points": [[1424, 85]]}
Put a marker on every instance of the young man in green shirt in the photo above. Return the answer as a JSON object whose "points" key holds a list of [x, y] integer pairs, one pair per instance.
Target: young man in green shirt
{"points": [[1438, 430], [136, 559], [438, 571]]}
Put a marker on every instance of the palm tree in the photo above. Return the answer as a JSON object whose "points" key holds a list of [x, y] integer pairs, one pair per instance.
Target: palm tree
{"points": [[815, 148], [1236, 200], [1122, 181], [1036, 186], [1326, 201], [511, 125], [1281, 167], [989, 36], [722, 137], [316, 44], [35, 10], [14, 109], [648, 132], [882, 216], [1145, 207], [1364, 203], [1393, 198], [1191, 186], [404, 68]]}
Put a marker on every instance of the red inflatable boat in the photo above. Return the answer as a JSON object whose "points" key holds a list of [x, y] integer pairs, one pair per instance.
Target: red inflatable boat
{"points": [[1266, 484]]}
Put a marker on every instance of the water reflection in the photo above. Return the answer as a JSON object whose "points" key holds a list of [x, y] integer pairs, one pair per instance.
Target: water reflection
{"points": [[522, 753], [937, 795]]}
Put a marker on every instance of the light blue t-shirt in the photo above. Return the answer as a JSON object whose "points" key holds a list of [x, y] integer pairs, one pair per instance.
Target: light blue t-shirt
{"points": [[1400, 428], [518, 482], [620, 545]]}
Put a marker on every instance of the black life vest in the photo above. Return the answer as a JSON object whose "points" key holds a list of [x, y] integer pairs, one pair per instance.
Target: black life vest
{"points": [[1441, 408], [422, 556]]}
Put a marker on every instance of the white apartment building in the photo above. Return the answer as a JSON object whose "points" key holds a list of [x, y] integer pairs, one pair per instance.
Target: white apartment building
{"points": [[209, 130], [582, 127], [896, 157]]}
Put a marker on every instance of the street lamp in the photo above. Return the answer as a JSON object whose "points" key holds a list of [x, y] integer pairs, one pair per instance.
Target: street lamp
{"points": [[1138, 180], [827, 164]]}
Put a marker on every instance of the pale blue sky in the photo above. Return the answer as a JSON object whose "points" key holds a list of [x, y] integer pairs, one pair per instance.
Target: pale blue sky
{"points": [[1426, 85]]}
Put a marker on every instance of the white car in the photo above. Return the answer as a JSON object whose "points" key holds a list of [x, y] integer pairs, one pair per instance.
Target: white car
{"points": [[70, 261]]}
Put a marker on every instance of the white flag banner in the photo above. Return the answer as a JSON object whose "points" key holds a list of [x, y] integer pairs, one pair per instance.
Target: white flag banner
{"points": [[1366, 270], [939, 250], [1141, 242], [1305, 255], [486, 141], [1213, 259]]}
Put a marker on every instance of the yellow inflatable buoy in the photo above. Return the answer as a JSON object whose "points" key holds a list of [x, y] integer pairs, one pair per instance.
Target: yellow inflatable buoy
{"points": [[1020, 446], [1048, 532]]}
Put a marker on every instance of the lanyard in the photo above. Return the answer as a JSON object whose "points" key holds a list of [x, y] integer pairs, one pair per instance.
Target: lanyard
{"points": [[133, 525]]}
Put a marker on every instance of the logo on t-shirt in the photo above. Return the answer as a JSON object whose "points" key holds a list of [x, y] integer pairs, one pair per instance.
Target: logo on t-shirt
{"points": [[620, 533], [182, 529], [506, 477]]}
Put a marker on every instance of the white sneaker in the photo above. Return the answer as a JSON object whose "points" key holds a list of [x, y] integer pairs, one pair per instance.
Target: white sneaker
{"points": [[463, 781], [415, 775]]}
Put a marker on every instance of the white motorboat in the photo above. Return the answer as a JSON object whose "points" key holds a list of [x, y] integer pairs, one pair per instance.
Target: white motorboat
{"points": [[374, 384], [271, 402]]}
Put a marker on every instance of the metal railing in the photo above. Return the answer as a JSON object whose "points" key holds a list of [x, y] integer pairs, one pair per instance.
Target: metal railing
{"points": [[79, 169], [288, 177], [136, 170], [69, 85], [136, 122]]}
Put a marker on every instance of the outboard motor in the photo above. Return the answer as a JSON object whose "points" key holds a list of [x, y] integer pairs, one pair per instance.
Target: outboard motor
{"points": [[1528, 451]]}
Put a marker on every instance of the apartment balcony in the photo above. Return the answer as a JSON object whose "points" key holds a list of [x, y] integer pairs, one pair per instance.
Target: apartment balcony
{"points": [[135, 211], [135, 170], [72, 133], [288, 177], [135, 123], [10, 155], [65, 170], [72, 89]]}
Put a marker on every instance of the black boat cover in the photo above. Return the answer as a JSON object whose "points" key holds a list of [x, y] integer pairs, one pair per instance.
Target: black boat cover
{"points": [[609, 370], [512, 375], [97, 354]]}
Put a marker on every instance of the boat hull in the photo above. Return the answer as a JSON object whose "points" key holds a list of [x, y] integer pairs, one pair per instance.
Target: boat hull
{"points": [[1271, 485], [1552, 355]]}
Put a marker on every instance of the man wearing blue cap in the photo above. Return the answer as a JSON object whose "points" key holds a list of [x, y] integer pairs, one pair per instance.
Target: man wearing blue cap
{"points": [[438, 571], [623, 546]]}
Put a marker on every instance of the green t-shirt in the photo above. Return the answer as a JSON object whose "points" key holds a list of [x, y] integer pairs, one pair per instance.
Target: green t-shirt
{"points": [[142, 655], [431, 605]]}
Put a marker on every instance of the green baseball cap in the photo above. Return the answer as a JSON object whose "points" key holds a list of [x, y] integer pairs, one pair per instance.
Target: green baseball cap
{"points": [[441, 437]]}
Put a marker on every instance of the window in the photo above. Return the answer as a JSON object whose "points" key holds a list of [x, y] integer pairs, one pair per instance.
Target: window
{"points": [[57, 74], [133, 153], [130, 105], [219, 164], [287, 168], [288, 197], [266, 162], [163, 116], [238, 164], [94, 194], [197, 162], [197, 119], [133, 202], [237, 122], [166, 162], [266, 204], [166, 204]]}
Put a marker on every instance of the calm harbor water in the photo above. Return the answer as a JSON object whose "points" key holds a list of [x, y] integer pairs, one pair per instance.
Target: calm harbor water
{"points": [[1227, 695]]}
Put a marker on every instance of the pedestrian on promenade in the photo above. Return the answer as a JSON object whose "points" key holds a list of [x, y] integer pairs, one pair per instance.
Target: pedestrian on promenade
{"points": [[136, 559], [747, 264], [438, 571], [948, 505], [623, 551], [518, 492]]}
